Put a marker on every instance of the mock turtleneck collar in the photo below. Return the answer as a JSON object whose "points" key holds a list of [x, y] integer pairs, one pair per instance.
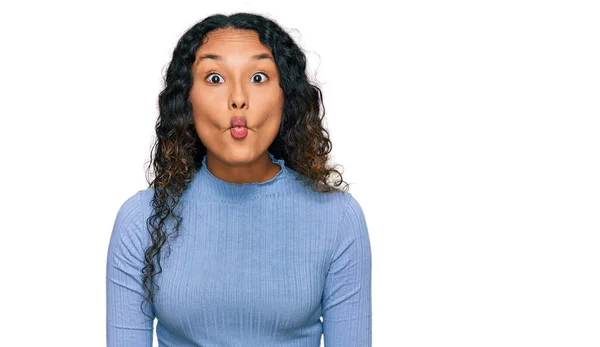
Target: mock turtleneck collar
{"points": [[208, 185]]}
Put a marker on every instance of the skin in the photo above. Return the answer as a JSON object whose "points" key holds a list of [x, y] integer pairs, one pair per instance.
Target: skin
{"points": [[237, 84]]}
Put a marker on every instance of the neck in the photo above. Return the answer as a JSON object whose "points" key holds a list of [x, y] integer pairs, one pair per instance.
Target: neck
{"points": [[242, 171]]}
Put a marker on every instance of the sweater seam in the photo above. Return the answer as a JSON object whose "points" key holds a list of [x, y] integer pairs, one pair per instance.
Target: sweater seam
{"points": [[337, 236], [146, 231], [141, 201]]}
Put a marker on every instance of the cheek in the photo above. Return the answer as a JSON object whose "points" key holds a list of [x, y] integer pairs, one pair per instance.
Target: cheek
{"points": [[204, 105], [272, 103]]}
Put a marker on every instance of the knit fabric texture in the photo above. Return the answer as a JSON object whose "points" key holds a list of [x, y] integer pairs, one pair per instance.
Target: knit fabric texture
{"points": [[270, 263]]}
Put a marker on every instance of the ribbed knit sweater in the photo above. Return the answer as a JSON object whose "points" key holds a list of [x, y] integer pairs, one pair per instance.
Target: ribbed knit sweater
{"points": [[269, 263]]}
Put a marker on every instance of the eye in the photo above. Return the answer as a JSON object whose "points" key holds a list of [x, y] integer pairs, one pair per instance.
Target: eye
{"points": [[256, 78], [213, 78]]}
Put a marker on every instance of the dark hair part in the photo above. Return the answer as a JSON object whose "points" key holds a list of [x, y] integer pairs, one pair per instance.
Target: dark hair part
{"points": [[177, 153]]}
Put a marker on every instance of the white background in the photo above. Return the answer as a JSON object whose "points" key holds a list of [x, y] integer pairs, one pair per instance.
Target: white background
{"points": [[469, 131]]}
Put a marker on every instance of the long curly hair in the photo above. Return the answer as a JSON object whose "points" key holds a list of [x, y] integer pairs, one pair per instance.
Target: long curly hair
{"points": [[177, 153]]}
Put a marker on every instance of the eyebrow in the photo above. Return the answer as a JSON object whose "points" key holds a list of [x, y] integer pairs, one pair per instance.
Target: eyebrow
{"points": [[220, 58]]}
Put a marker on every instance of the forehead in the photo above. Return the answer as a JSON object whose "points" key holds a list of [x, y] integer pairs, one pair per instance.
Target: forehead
{"points": [[232, 41]]}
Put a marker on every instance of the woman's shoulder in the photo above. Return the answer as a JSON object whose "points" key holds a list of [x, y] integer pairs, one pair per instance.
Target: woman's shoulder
{"points": [[305, 186], [333, 201], [138, 203], [128, 236], [131, 216]]}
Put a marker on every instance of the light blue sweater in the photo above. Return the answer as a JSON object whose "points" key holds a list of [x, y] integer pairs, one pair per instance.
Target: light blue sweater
{"points": [[254, 264]]}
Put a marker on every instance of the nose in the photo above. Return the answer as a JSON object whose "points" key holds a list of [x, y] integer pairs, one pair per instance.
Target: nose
{"points": [[234, 104], [238, 97]]}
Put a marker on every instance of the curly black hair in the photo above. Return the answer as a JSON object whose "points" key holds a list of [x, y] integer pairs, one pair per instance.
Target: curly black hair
{"points": [[302, 141]]}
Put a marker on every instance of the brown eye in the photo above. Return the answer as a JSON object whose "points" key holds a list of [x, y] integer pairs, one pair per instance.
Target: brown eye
{"points": [[258, 77], [214, 78]]}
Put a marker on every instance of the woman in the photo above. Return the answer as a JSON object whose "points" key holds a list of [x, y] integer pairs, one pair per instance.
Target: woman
{"points": [[259, 245]]}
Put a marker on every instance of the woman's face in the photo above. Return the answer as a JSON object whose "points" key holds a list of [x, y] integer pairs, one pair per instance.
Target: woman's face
{"points": [[234, 75]]}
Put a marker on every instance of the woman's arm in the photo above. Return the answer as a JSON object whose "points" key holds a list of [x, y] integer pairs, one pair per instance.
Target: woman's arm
{"points": [[126, 325], [347, 292]]}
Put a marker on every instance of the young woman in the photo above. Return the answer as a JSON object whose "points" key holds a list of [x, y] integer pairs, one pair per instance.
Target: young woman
{"points": [[240, 240]]}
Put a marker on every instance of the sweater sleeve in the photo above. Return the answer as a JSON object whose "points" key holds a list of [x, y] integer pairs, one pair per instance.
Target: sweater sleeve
{"points": [[126, 324], [347, 293]]}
